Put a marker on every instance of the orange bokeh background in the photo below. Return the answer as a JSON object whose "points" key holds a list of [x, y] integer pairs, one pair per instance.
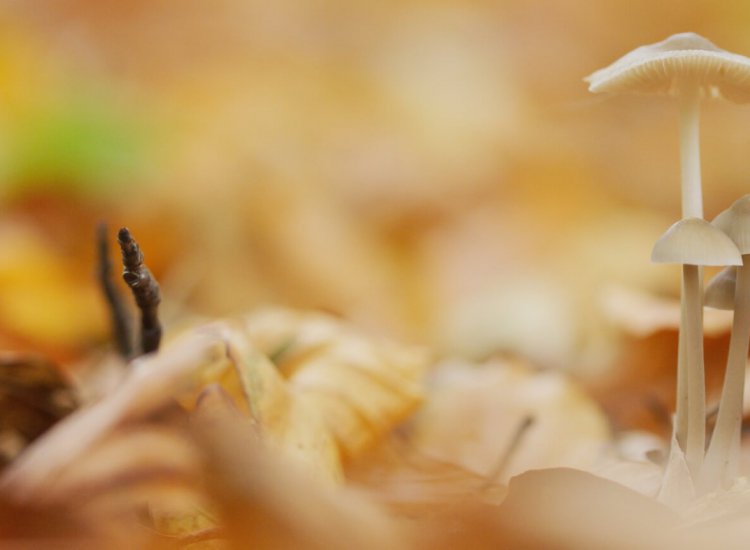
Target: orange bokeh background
{"points": [[433, 170]]}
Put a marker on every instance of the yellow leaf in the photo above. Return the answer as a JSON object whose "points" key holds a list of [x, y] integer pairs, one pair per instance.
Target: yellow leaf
{"points": [[361, 387]]}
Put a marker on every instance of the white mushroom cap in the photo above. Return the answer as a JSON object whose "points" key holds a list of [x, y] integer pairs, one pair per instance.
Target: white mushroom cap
{"points": [[656, 67], [735, 222], [720, 290], [694, 241]]}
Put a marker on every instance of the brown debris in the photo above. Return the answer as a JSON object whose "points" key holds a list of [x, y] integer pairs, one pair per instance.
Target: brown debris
{"points": [[34, 395]]}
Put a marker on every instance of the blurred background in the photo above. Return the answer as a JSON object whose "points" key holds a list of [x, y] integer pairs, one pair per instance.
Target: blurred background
{"points": [[435, 170]]}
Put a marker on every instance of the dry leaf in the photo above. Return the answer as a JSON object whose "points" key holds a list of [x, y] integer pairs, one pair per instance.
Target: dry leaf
{"points": [[267, 502], [474, 412], [414, 485], [284, 416], [109, 463], [105, 493], [567, 508], [361, 387], [152, 383]]}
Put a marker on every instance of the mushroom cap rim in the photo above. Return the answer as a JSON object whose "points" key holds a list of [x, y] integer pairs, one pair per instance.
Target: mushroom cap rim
{"points": [[659, 67], [694, 241], [619, 72]]}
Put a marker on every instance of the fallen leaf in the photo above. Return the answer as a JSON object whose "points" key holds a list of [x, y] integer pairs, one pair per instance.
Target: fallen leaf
{"points": [[567, 508], [474, 412], [266, 501], [362, 387], [152, 383], [417, 486]]}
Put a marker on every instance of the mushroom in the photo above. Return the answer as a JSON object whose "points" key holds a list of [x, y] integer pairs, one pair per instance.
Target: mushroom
{"points": [[687, 66], [693, 242], [722, 457], [720, 290]]}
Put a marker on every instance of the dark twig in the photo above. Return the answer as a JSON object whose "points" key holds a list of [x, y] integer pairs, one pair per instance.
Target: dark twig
{"points": [[145, 290], [515, 441], [120, 318]]}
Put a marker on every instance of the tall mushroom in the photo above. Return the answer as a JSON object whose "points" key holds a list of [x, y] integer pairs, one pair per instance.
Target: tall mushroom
{"points": [[687, 66], [722, 458]]}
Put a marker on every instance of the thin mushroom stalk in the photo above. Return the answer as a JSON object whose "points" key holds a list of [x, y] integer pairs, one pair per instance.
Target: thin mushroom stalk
{"points": [[731, 292], [696, 388], [688, 98], [722, 458], [680, 427], [690, 410], [691, 386]]}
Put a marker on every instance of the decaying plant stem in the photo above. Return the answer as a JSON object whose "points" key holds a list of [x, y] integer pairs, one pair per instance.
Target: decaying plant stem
{"points": [[145, 290], [121, 326], [523, 427]]}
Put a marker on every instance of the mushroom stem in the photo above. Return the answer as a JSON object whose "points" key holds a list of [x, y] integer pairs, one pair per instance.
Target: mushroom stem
{"points": [[690, 365], [681, 397], [690, 159], [696, 415], [722, 458]]}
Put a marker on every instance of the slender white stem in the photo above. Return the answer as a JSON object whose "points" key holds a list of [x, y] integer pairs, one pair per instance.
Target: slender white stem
{"points": [[690, 428], [690, 159], [681, 397], [696, 389], [722, 459]]}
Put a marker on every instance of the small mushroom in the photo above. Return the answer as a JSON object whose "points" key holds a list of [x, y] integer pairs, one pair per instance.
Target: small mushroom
{"points": [[687, 66], [693, 242], [696, 242], [720, 290], [722, 457]]}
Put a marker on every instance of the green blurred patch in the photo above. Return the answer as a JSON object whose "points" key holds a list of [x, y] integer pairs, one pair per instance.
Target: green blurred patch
{"points": [[80, 146]]}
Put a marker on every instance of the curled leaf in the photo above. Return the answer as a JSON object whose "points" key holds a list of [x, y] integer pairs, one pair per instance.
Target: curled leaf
{"points": [[361, 387]]}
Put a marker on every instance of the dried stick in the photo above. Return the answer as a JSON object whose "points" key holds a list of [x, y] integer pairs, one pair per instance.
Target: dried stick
{"points": [[119, 315], [523, 427], [145, 290]]}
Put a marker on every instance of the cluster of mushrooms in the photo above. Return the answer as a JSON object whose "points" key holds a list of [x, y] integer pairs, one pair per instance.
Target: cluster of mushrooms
{"points": [[688, 67]]}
